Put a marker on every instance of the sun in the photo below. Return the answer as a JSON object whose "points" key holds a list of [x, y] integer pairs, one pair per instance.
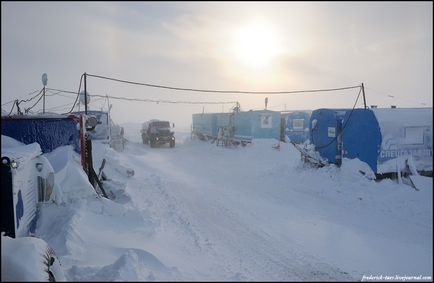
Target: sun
{"points": [[256, 44]]}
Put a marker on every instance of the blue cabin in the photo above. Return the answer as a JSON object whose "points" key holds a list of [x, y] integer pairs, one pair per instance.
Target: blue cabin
{"points": [[254, 124], [49, 132], [296, 125], [386, 139]]}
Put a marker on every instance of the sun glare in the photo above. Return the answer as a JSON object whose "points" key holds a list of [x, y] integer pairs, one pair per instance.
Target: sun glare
{"points": [[255, 44]]}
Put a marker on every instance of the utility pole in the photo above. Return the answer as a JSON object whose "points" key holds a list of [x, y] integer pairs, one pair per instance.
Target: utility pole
{"points": [[85, 95], [44, 82], [364, 98]]}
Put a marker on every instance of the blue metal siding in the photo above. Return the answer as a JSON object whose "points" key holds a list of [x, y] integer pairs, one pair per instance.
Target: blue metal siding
{"points": [[297, 135], [205, 123], [319, 136], [362, 136], [271, 129], [49, 133], [243, 124]]}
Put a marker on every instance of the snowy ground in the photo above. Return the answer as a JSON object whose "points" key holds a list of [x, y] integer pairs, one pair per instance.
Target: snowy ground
{"points": [[202, 212]]}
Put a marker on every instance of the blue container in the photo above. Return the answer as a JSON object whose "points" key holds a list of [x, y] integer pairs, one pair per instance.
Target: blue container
{"points": [[297, 126], [322, 131], [387, 139], [48, 132]]}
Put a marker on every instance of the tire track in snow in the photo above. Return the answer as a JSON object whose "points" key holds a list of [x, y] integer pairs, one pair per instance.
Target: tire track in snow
{"points": [[264, 262]]}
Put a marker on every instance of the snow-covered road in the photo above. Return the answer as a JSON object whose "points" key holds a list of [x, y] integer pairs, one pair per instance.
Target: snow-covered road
{"points": [[202, 212]]}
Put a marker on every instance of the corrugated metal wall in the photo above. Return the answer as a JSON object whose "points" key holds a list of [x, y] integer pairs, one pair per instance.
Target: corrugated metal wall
{"points": [[49, 133]]}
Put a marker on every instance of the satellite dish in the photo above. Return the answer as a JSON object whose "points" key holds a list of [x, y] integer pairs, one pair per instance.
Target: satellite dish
{"points": [[82, 97], [44, 79]]}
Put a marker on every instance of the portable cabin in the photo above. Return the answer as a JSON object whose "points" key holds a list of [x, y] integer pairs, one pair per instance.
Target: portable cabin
{"points": [[387, 139], [27, 179], [406, 133], [49, 131], [255, 124], [296, 125]]}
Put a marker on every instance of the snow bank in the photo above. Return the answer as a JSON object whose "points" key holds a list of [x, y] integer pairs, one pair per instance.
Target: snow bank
{"points": [[23, 260]]}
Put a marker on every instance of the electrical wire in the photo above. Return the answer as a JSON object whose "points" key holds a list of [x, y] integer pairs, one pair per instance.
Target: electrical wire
{"points": [[13, 106], [78, 94], [31, 98], [343, 127], [27, 109], [16, 99], [152, 100], [219, 91], [166, 101]]}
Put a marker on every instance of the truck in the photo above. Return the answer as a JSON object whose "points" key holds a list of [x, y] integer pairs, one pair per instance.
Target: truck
{"points": [[156, 132]]}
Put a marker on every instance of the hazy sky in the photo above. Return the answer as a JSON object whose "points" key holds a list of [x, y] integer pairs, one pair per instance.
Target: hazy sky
{"points": [[257, 46]]}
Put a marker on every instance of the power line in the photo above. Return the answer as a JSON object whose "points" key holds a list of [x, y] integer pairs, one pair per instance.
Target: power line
{"points": [[151, 100], [16, 99], [343, 127], [78, 94], [31, 98], [60, 91], [27, 109], [13, 105], [167, 101], [220, 91]]}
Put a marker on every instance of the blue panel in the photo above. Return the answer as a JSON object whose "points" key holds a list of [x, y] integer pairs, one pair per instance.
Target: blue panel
{"points": [[297, 126], [265, 124], [362, 136], [49, 133], [243, 124]]}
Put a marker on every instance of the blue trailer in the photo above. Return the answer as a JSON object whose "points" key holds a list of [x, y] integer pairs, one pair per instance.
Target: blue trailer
{"points": [[296, 125], [388, 139]]}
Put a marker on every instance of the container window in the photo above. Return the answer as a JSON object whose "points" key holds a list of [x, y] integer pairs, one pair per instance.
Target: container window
{"points": [[298, 124]]}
